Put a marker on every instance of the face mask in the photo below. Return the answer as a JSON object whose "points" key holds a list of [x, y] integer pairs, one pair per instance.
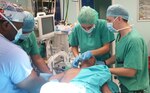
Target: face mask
{"points": [[88, 31], [110, 26], [17, 36], [112, 29], [24, 36]]}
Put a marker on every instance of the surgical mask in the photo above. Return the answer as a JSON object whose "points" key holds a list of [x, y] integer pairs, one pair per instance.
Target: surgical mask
{"points": [[24, 36], [19, 32], [88, 31], [17, 36], [112, 29], [110, 26]]}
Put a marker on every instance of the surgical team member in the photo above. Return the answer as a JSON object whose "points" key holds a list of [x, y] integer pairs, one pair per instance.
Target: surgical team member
{"points": [[16, 72], [28, 43], [131, 55], [91, 35]]}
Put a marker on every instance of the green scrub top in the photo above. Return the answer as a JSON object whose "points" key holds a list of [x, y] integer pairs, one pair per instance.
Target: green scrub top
{"points": [[29, 45], [91, 41], [131, 52]]}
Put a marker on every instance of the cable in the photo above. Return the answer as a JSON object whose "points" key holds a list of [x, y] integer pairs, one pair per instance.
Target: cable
{"points": [[63, 9], [67, 10]]}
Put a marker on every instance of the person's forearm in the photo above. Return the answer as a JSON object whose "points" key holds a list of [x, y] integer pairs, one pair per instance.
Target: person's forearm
{"points": [[111, 60], [102, 50], [57, 77], [40, 64], [32, 83], [75, 51], [43, 67], [105, 89], [127, 72]]}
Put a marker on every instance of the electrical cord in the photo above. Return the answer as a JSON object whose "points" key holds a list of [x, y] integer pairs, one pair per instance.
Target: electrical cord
{"points": [[67, 10]]}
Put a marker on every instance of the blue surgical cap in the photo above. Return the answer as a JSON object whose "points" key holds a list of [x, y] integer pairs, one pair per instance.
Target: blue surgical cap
{"points": [[28, 23], [87, 15], [117, 10]]}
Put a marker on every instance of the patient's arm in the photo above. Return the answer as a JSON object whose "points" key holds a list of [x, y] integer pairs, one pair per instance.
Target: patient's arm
{"points": [[67, 75], [58, 76], [105, 89]]}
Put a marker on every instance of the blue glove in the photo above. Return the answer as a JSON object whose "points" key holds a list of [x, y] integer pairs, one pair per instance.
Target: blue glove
{"points": [[86, 55], [76, 61]]}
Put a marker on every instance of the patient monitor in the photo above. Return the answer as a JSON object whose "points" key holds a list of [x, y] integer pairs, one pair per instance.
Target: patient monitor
{"points": [[45, 25]]}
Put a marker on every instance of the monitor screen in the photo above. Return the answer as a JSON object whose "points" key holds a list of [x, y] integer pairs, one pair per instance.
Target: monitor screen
{"points": [[47, 25]]}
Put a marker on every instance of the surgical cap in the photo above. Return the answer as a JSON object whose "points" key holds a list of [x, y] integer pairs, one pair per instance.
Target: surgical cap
{"points": [[28, 24], [87, 15], [117, 10], [11, 11]]}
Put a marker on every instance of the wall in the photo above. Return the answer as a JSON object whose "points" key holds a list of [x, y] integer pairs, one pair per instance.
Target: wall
{"points": [[101, 7], [142, 27]]}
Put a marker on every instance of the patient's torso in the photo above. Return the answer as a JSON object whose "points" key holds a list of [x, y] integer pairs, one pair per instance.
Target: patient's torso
{"points": [[70, 74]]}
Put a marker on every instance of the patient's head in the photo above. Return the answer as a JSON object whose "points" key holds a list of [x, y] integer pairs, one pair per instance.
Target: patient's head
{"points": [[88, 63]]}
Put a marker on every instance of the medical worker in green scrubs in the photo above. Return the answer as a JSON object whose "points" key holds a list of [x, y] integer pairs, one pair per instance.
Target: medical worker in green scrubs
{"points": [[91, 36], [131, 55], [28, 43]]}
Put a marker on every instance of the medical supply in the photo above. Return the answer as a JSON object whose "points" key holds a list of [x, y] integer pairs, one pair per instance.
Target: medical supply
{"points": [[63, 28], [91, 18], [117, 10], [59, 62]]}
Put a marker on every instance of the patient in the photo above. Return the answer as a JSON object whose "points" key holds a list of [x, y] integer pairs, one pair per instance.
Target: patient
{"points": [[68, 75], [92, 78]]}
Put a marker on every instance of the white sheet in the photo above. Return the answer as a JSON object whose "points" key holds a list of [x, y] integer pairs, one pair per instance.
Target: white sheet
{"points": [[56, 87]]}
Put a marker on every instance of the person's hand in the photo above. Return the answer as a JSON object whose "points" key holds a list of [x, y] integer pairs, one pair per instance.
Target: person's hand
{"points": [[76, 61], [86, 55]]}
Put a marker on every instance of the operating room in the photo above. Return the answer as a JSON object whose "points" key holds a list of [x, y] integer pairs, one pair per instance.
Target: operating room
{"points": [[74, 46]]}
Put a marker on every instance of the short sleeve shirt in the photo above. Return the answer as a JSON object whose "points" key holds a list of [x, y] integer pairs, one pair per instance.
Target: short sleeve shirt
{"points": [[15, 66], [131, 52]]}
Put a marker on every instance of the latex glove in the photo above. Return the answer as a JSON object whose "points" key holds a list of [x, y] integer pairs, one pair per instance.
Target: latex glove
{"points": [[76, 61], [86, 55]]}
